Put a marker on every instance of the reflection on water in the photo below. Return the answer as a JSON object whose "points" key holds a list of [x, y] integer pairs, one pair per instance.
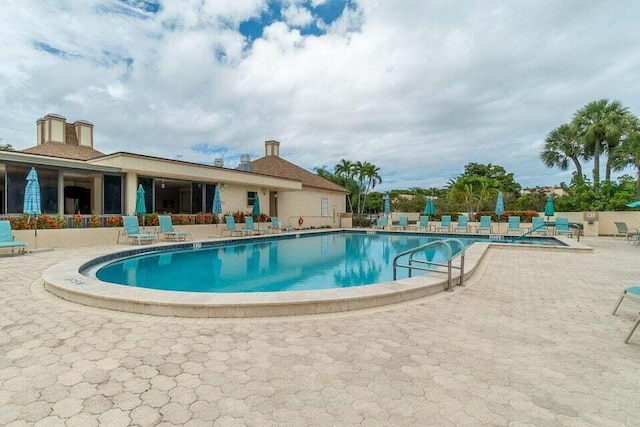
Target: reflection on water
{"points": [[310, 262]]}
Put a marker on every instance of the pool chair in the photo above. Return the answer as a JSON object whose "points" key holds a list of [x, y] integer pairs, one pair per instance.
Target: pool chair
{"points": [[623, 230], [251, 228], [514, 225], [275, 226], [462, 226], [423, 224], [132, 231], [537, 226], [445, 223], [382, 223], [232, 229], [562, 227], [485, 224], [170, 233], [633, 293], [8, 241], [403, 223]]}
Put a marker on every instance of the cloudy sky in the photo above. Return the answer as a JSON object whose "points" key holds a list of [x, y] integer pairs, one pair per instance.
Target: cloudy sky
{"points": [[419, 88]]}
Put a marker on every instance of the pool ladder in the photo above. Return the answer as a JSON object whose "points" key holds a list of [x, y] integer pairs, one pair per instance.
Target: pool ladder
{"points": [[426, 265]]}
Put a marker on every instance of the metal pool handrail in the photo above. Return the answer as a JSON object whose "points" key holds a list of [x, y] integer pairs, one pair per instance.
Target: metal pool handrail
{"points": [[425, 265], [460, 243]]}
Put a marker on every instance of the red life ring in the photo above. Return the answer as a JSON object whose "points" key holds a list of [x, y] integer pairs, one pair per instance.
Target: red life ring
{"points": [[300, 221]]}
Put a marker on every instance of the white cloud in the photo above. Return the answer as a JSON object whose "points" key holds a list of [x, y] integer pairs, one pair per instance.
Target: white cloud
{"points": [[297, 16], [418, 88]]}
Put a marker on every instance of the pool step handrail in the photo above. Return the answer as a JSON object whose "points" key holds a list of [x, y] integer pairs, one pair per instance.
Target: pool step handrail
{"points": [[460, 253], [527, 233], [426, 265]]}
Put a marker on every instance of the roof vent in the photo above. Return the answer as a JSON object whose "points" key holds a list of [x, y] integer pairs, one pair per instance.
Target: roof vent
{"points": [[218, 162], [245, 163]]}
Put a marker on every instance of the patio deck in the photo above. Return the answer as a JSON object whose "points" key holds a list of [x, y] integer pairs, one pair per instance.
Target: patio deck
{"points": [[529, 341]]}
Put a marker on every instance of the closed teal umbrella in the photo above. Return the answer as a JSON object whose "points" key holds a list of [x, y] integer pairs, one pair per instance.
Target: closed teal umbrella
{"points": [[141, 207], [32, 199], [430, 207], [635, 204], [216, 209], [499, 205], [549, 209], [387, 204], [256, 207]]}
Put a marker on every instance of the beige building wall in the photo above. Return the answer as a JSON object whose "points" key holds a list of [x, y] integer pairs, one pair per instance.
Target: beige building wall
{"points": [[234, 198], [307, 204]]}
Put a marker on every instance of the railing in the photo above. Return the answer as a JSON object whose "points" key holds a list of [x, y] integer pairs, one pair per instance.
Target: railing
{"points": [[528, 233], [572, 225], [426, 265]]}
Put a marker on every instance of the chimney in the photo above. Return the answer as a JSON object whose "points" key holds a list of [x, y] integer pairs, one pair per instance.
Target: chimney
{"points": [[84, 133], [51, 128], [272, 148]]}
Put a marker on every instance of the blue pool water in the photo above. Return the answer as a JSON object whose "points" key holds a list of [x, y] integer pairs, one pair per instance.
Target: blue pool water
{"points": [[334, 260], [316, 261]]}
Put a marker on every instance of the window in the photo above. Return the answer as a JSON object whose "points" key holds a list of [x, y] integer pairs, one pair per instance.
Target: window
{"points": [[112, 194], [324, 207], [251, 197], [16, 183]]}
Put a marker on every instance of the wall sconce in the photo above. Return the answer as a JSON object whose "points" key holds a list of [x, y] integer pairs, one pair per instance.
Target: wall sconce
{"points": [[162, 184], [264, 191]]}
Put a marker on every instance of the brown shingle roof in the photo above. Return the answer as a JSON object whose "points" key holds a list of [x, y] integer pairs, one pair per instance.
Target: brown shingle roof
{"points": [[277, 166], [65, 151]]}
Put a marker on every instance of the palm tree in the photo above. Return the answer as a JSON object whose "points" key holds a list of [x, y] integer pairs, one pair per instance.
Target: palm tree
{"points": [[628, 154], [345, 170], [598, 122], [562, 145], [367, 176], [372, 176], [627, 123]]}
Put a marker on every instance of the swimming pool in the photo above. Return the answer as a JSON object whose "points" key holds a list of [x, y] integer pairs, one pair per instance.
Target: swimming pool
{"points": [[289, 263], [325, 261], [75, 280]]}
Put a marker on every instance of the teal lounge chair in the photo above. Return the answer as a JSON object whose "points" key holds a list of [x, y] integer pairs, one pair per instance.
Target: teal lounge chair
{"points": [[132, 231], [537, 226], [562, 227], [382, 223], [251, 228], [170, 233], [514, 225], [423, 224], [232, 229], [445, 223], [275, 226], [485, 224], [633, 293], [403, 223], [8, 241], [462, 225]]}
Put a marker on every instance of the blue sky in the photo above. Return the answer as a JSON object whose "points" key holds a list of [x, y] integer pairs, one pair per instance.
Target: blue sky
{"points": [[419, 88]]}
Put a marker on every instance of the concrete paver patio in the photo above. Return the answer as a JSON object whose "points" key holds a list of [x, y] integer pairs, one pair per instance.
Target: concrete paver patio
{"points": [[529, 341]]}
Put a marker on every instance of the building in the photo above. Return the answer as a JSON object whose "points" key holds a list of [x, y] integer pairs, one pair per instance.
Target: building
{"points": [[547, 191], [77, 178]]}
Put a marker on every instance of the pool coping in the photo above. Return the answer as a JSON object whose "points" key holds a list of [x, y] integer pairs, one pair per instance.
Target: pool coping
{"points": [[65, 281]]}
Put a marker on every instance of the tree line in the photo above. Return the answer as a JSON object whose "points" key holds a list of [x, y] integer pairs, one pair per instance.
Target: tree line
{"points": [[600, 128]]}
